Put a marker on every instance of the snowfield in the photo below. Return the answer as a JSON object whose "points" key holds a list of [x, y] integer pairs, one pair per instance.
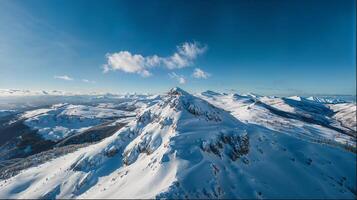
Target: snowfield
{"points": [[208, 145], [63, 120]]}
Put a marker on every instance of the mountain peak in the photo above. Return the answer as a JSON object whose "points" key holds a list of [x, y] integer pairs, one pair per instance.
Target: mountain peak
{"points": [[178, 91]]}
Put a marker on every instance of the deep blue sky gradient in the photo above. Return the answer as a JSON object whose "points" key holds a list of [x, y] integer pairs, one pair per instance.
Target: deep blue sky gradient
{"points": [[281, 47]]}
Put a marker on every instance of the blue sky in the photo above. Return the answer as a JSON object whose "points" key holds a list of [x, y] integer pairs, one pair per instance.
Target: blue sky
{"points": [[267, 47]]}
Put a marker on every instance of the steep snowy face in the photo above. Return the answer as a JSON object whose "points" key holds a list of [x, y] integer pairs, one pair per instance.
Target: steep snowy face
{"points": [[165, 142], [181, 117], [63, 120]]}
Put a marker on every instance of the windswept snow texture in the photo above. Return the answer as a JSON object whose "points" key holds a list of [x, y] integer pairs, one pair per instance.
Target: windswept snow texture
{"points": [[63, 120], [210, 145]]}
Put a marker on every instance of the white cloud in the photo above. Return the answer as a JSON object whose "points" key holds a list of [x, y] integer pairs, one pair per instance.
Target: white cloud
{"points": [[136, 63], [64, 77], [191, 50], [126, 62], [199, 73], [88, 81], [181, 79], [176, 61]]}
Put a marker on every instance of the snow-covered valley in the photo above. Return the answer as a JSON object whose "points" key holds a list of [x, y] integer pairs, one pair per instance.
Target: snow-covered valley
{"points": [[179, 145]]}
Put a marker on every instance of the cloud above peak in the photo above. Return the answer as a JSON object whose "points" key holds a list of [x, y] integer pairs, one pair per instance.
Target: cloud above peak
{"points": [[63, 77], [191, 50], [125, 61], [200, 74], [129, 63]]}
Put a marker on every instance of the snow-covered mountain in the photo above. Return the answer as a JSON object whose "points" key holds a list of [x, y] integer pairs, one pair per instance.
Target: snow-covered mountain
{"points": [[209, 145]]}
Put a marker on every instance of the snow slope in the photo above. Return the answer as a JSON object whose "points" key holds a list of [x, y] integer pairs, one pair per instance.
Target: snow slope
{"points": [[185, 147]]}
